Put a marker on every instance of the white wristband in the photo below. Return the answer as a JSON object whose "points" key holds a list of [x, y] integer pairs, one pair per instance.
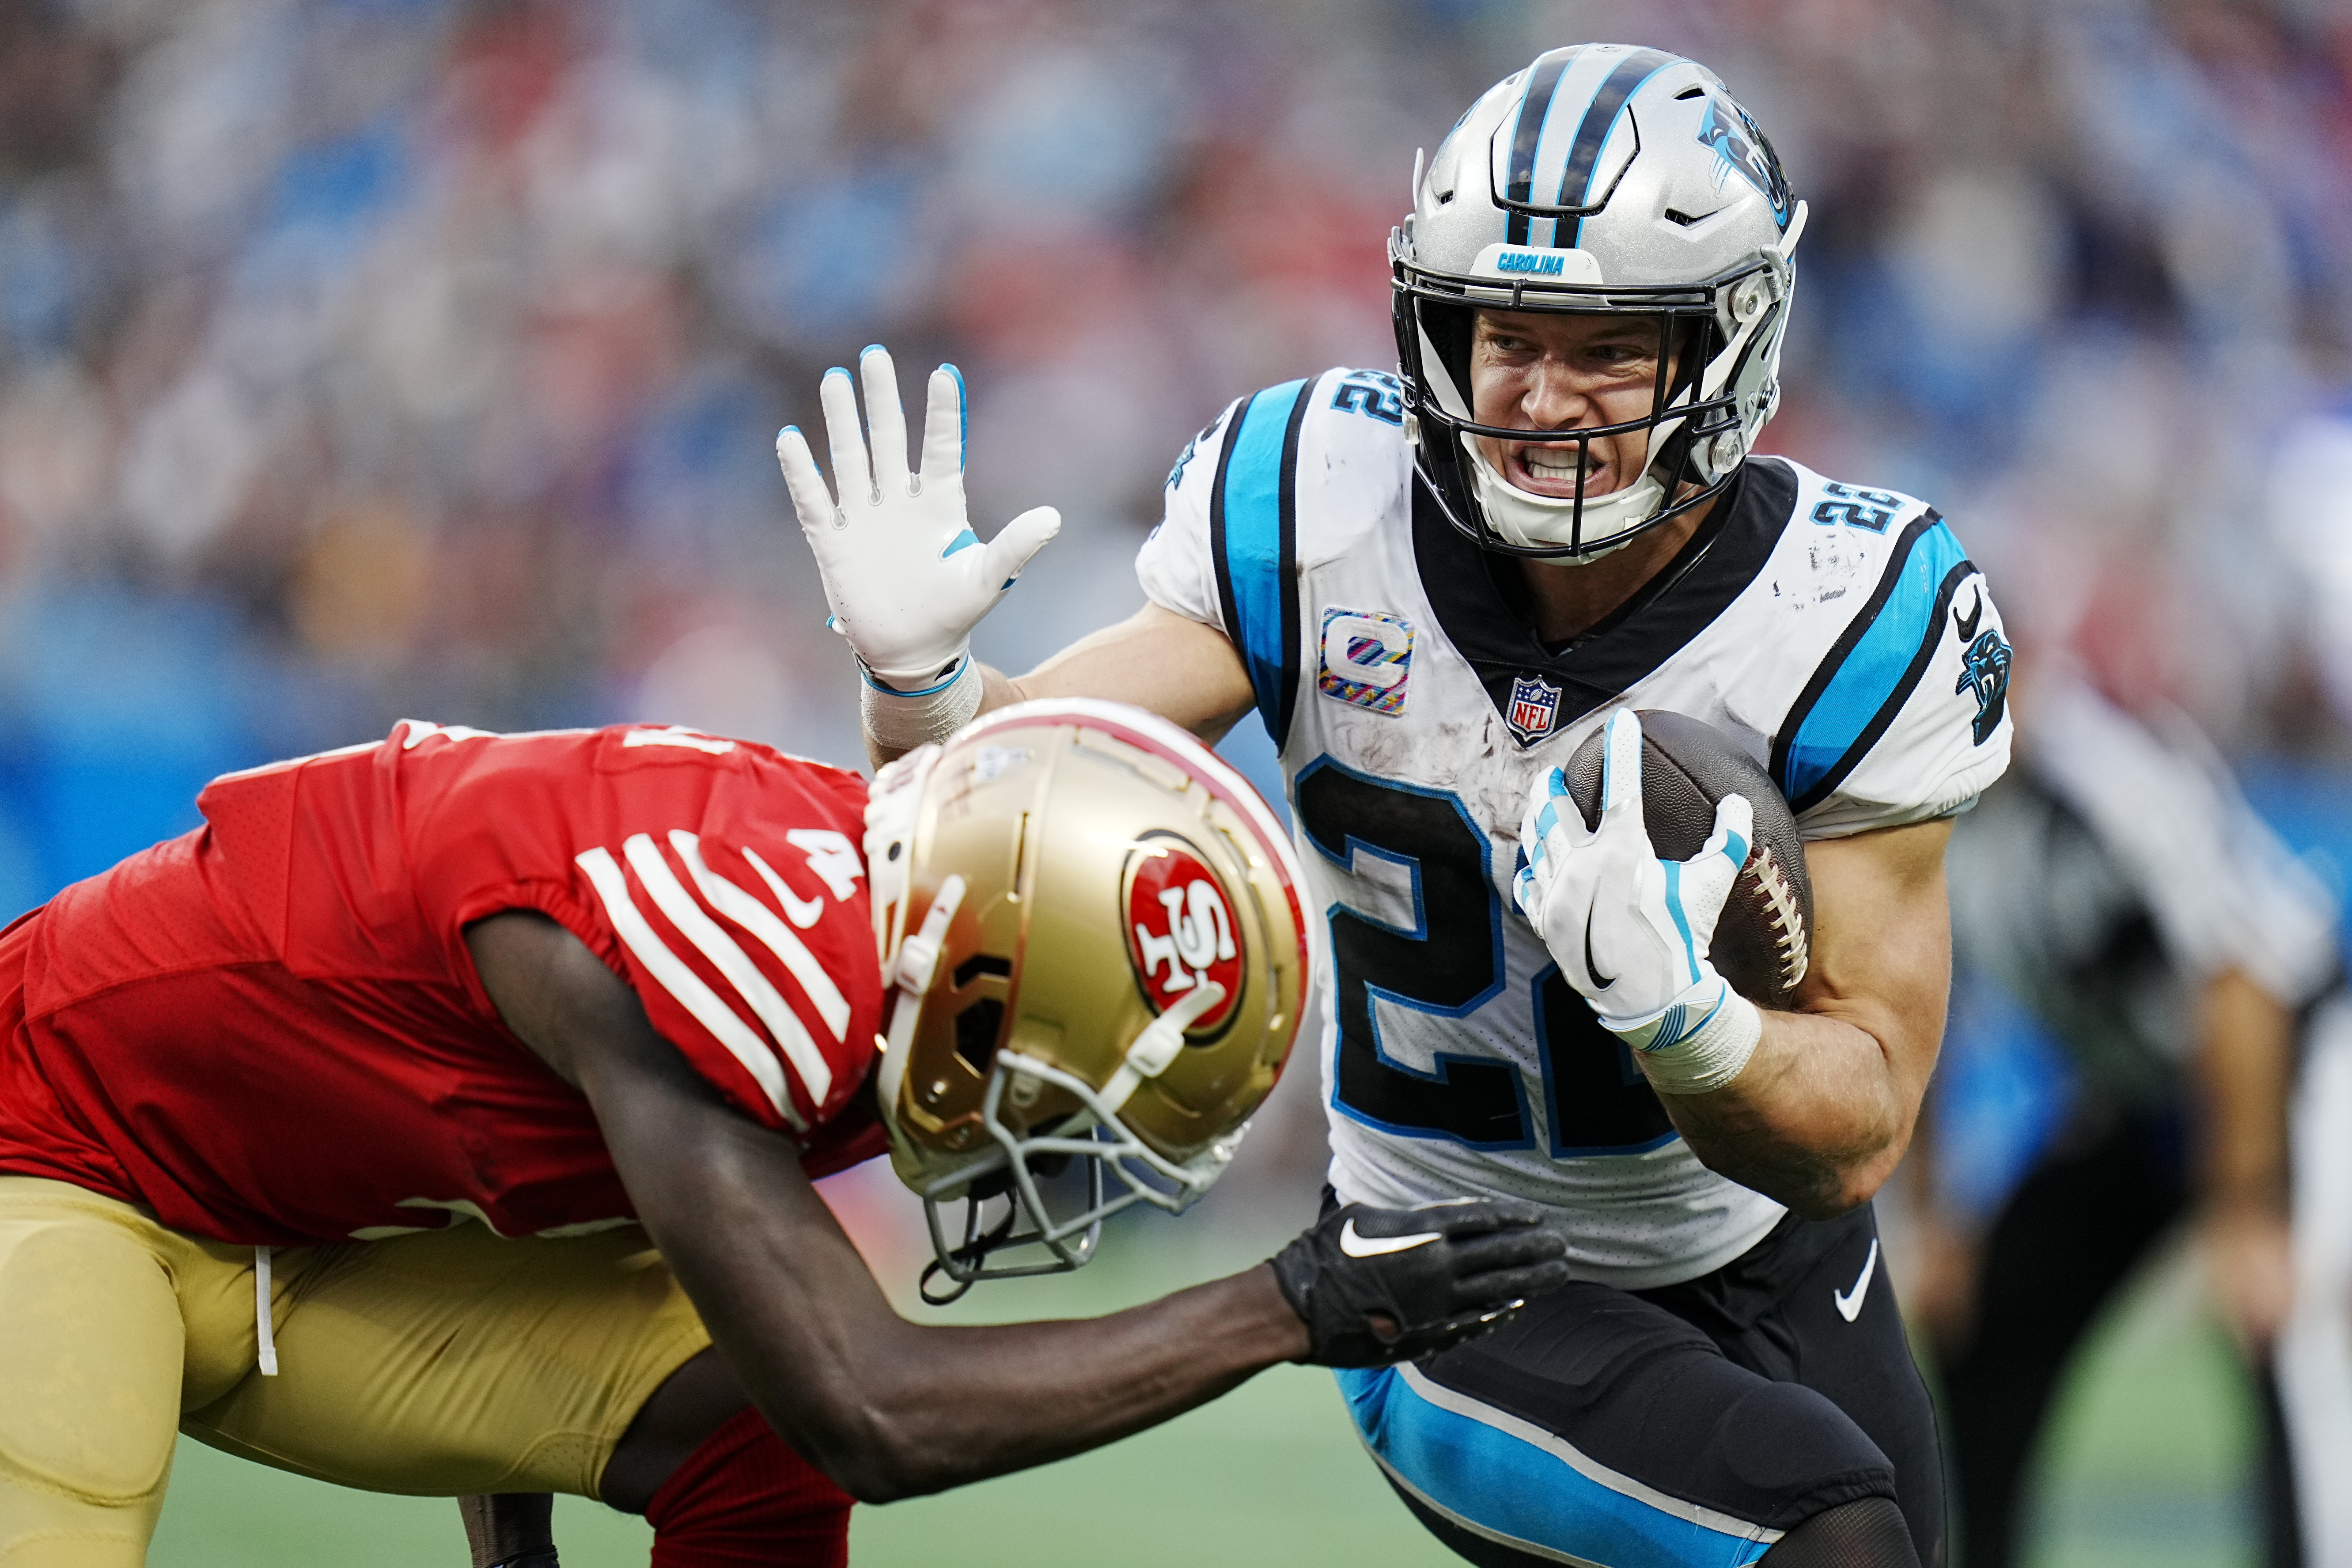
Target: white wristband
{"points": [[902, 720], [1683, 1058]]}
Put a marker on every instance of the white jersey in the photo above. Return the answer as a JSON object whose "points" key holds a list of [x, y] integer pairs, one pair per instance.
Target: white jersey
{"points": [[1838, 634]]}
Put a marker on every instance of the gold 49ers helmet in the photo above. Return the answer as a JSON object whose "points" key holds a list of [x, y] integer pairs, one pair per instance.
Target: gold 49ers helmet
{"points": [[1092, 929]]}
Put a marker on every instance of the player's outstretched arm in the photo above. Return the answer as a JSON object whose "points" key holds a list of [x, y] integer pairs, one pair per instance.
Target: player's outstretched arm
{"points": [[907, 580], [892, 1409], [1186, 672], [1813, 1107]]}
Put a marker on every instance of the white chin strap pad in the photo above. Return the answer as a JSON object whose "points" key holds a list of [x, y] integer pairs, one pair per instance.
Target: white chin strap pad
{"points": [[1534, 522], [1159, 1045]]}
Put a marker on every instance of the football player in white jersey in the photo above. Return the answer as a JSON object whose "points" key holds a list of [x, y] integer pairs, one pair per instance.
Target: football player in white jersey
{"points": [[1431, 586]]}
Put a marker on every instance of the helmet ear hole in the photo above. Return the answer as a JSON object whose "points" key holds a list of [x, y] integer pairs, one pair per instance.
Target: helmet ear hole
{"points": [[980, 964], [976, 1029]]}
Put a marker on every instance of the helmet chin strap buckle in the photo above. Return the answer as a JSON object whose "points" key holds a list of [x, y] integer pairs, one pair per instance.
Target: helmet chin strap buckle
{"points": [[917, 966], [1159, 1045]]}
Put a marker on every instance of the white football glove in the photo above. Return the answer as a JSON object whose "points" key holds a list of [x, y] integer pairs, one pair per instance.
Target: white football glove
{"points": [[1630, 930], [905, 576]]}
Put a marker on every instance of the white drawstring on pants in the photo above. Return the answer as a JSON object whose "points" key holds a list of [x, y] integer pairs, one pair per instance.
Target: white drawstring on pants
{"points": [[261, 1324]]}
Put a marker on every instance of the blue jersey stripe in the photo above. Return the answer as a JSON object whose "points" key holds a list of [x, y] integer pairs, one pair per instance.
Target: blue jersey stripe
{"points": [[1876, 663], [1508, 1486], [1252, 533]]}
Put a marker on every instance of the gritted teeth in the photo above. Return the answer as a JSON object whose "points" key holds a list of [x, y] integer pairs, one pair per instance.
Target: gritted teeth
{"points": [[1558, 464]]}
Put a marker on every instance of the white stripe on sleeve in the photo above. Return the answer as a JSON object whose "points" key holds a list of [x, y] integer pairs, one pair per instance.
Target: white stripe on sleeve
{"points": [[613, 886], [731, 961], [759, 920]]}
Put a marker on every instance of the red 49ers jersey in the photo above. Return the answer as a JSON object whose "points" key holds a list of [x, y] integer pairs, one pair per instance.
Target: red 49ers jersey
{"points": [[269, 1030]]}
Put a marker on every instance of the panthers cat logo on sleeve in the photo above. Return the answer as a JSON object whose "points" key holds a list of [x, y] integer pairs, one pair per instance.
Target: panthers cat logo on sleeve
{"points": [[1984, 665]]}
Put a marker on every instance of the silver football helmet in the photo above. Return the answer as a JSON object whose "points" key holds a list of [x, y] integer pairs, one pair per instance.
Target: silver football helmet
{"points": [[1602, 180]]}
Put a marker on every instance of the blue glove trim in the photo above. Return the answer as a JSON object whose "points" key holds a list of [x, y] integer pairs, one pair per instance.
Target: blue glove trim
{"points": [[954, 674], [963, 415]]}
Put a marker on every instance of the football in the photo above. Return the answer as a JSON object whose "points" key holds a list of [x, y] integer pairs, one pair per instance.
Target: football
{"points": [[1762, 943]]}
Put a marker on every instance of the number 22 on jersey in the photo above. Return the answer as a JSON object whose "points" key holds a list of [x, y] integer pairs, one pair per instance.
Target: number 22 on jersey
{"points": [[1449, 964]]}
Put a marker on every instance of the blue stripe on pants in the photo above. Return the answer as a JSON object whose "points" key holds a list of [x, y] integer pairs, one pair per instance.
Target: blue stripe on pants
{"points": [[1513, 1482]]}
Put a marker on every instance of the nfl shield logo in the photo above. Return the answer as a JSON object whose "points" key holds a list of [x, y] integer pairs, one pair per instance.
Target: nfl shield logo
{"points": [[1535, 704]]}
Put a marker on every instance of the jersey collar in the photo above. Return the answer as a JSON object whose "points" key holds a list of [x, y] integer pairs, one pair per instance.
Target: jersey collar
{"points": [[1711, 570]]}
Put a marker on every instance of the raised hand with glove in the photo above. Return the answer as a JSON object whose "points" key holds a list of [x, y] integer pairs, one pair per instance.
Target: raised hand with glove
{"points": [[1629, 930], [1376, 1285], [906, 577]]}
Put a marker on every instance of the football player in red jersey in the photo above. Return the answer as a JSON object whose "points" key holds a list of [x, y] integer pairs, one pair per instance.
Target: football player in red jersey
{"points": [[613, 997]]}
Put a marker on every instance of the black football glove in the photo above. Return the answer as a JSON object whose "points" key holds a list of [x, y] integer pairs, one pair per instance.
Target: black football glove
{"points": [[1438, 1275]]}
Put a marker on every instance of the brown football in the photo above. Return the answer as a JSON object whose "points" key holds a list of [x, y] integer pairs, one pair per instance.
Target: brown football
{"points": [[1763, 940]]}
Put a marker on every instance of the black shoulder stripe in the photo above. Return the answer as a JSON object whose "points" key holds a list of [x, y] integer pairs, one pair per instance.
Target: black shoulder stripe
{"points": [[1218, 555]]}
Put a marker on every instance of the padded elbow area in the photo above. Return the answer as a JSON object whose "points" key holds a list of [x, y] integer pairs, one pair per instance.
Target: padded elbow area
{"points": [[746, 1499], [1868, 1534]]}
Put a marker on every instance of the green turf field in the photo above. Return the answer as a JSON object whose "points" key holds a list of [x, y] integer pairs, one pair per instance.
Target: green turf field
{"points": [[2146, 1470]]}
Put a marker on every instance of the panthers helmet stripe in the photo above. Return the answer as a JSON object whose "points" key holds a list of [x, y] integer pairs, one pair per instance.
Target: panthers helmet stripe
{"points": [[1535, 112], [1584, 85], [1569, 103], [1872, 669], [1600, 118]]}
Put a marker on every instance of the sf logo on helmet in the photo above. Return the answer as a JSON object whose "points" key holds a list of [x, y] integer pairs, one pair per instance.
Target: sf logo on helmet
{"points": [[1181, 928]]}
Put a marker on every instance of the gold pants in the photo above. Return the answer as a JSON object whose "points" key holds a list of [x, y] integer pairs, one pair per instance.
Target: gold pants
{"points": [[438, 1364]]}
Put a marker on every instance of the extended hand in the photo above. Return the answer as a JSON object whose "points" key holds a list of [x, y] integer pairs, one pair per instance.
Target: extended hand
{"points": [[1376, 1285], [1628, 930], [905, 576]]}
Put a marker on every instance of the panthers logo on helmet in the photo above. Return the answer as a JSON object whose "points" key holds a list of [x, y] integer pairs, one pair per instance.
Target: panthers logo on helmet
{"points": [[1181, 930], [1740, 143]]}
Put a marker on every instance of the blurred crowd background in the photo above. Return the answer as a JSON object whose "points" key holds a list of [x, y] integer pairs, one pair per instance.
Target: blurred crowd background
{"points": [[424, 357], [390, 357]]}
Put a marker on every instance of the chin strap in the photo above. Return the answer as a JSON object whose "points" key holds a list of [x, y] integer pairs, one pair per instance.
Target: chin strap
{"points": [[919, 963], [1159, 1044]]}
